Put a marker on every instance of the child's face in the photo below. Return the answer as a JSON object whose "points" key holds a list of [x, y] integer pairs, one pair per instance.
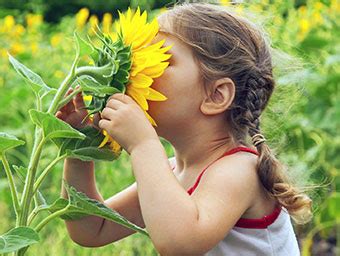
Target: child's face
{"points": [[181, 84]]}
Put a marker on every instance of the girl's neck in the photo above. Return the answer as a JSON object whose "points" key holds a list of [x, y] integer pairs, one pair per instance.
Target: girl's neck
{"points": [[195, 152]]}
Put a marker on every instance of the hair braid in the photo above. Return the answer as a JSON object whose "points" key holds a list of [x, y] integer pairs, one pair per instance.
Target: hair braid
{"points": [[270, 170]]}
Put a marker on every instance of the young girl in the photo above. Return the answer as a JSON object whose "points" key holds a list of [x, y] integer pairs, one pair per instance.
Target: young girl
{"points": [[220, 194]]}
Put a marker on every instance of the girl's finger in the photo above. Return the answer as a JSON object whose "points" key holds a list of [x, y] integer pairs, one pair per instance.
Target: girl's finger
{"points": [[96, 119], [114, 104], [104, 124], [59, 115], [79, 101], [69, 107], [107, 113]]}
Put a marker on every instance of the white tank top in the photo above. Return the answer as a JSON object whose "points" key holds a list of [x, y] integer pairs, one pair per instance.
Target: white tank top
{"points": [[254, 237], [272, 235]]}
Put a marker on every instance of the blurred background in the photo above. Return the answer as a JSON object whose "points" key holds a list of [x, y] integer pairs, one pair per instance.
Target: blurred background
{"points": [[302, 122]]}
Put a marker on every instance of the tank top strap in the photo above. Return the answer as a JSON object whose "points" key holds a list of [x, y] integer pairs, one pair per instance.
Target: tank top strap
{"points": [[227, 153]]}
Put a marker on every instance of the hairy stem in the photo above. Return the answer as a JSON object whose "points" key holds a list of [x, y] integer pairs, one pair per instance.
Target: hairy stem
{"points": [[27, 193], [35, 212], [46, 171], [68, 98], [63, 87], [50, 217], [12, 187]]}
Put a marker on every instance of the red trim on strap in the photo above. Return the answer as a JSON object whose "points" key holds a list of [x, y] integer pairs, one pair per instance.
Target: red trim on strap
{"points": [[229, 152], [262, 223], [243, 222]]}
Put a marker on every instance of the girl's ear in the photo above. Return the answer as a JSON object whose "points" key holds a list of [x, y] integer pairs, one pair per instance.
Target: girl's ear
{"points": [[219, 97]]}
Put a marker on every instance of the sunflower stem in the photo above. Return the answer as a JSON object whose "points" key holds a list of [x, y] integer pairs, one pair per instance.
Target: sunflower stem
{"points": [[68, 98], [12, 187], [50, 217], [27, 193], [35, 212], [63, 87], [46, 171]]}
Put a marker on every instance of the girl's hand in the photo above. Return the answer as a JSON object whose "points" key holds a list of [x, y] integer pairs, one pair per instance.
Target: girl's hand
{"points": [[74, 111], [126, 122]]}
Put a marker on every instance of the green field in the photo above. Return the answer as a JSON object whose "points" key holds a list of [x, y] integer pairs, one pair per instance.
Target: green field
{"points": [[302, 122]]}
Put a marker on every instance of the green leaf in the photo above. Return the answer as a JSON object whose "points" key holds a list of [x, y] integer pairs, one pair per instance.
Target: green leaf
{"points": [[92, 153], [21, 172], [36, 82], [83, 47], [18, 238], [333, 205], [87, 149], [54, 127], [102, 74], [80, 205], [8, 141], [89, 84]]}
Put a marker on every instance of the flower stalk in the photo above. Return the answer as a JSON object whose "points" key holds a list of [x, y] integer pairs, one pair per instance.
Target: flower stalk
{"points": [[12, 187]]}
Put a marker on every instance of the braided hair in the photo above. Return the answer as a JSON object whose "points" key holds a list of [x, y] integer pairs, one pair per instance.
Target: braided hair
{"points": [[227, 45]]}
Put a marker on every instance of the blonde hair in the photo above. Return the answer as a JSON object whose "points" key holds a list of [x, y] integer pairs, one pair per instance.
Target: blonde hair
{"points": [[227, 45]]}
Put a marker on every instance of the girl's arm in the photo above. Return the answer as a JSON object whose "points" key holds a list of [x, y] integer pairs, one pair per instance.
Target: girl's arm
{"points": [[93, 231], [180, 224]]}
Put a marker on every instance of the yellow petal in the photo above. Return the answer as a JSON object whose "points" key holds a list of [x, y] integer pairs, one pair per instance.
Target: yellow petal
{"points": [[155, 95], [137, 95], [150, 119], [141, 81], [156, 70], [105, 140]]}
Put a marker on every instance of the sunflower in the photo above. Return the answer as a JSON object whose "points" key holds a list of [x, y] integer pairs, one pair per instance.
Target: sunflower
{"points": [[148, 61]]}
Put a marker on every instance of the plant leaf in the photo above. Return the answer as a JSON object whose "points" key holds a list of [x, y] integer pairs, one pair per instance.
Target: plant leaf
{"points": [[80, 205], [86, 149], [18, 238], [21, 172], [54, 127], [36, 82], [89, 84], [84, 47], [8, 141]]}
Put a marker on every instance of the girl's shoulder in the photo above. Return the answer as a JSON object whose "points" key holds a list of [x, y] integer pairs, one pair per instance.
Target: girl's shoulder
{"points": [[241, 166]]}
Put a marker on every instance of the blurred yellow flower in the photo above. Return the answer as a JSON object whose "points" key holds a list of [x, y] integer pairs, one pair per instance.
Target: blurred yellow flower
{"points": [[18, 30], [59, 74], [3, 53], [335, 6], [107, 23], [225, 2], [34, 47], [33, 20], [318, 6], [9, 23], [317, 18], [81, 17], [16, 48], [55, 40], [304, 25], [93, 24], [239, 9], [302, 10]]}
